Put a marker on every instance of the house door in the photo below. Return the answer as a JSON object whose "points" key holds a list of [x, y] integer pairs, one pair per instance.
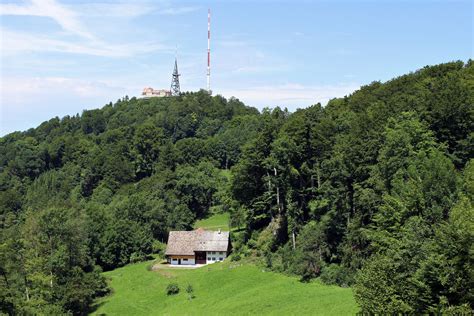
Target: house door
{"points": [[200, 257], [179, 261]]}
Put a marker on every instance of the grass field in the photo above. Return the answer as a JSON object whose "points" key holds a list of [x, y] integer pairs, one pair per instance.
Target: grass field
{"points": [[214, 222], [220, 289]]}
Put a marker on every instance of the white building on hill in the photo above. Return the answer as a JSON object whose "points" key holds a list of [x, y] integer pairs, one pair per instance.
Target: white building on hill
{"points": [[150, 93], [197, 247]]}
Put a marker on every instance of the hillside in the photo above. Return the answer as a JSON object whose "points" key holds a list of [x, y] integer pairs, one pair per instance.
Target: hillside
{"points": [[373, 191], [221, 288]]}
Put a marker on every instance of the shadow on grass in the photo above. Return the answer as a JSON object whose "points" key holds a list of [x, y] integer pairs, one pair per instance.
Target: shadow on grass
{"points": [[238, 230], [94, 307]]}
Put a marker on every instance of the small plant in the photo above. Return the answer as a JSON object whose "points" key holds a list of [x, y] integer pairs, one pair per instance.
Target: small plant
{"points": [[190, 291], [158, 248], [235, 257], [172, 289], [137, 257]]}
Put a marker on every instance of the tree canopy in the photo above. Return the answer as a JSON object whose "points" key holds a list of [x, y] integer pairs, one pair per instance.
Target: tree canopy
{"points": [[374, 190]]}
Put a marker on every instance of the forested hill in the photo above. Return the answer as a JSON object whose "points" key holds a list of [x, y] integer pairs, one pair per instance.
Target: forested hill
{"points": [[374, 190]]}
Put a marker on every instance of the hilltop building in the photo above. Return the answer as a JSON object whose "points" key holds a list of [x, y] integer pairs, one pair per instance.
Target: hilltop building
{"points": [[197, 247], [150, 92]]}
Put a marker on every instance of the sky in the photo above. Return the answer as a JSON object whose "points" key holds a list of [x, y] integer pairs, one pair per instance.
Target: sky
{"points": [[59, 57]]}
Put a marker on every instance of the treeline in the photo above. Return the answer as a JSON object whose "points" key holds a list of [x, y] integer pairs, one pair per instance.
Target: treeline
{"points": [[88, 193], [374, 190]]}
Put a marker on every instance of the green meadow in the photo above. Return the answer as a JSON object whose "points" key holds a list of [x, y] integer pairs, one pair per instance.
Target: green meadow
{"points": [[214, 222], [220, 289]]}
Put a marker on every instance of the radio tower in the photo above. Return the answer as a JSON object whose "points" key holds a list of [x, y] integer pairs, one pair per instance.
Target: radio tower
{"points": [[209, 51], [175, 90]]}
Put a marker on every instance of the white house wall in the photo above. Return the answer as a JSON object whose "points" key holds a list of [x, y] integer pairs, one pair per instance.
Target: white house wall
{"points": [[215, 256], [183, 262]]}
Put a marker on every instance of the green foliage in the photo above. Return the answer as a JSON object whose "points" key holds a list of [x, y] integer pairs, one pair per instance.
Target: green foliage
{"points": [[172, 289], [190, 291], [336, 274], [101, 190], [339, 189], [197, 185], [236, 257], [376, 290], [374, 187], [158, 248], [230, 288]]}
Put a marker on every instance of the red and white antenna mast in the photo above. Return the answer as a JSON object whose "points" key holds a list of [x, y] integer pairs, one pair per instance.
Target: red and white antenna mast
{"points": [[209, 51]]}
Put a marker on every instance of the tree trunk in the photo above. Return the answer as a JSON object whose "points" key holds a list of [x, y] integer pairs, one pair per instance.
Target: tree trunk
{"points": [[293, 237], [269, 182], [51, 254], [27, 292], [318, 174], [277, 193]]}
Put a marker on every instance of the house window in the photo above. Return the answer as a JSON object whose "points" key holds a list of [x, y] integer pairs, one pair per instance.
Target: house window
{"points": [[213, 252], [175, 259], [185, 259], [220, 259], [213, 259], [208, 259]]}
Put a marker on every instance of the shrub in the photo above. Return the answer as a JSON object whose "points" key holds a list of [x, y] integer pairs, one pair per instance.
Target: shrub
{"points": [[336, 274], [172, 289], [235, 257], [190, 291], [137, 257], [158, 248], [456, 310]]}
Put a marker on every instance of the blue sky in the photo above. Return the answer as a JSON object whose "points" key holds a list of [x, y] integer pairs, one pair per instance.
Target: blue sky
{"points": [[59, 57]]}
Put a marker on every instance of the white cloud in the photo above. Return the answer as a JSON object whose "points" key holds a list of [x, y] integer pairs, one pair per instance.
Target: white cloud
{"points": [[290, 95], [15, 90], [88, 43], [120, 9], [65, 17], [177, 10], [26, 102], [16, 42]]}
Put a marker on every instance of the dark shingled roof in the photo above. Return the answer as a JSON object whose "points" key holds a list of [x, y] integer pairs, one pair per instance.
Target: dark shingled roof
{"points": [[187, 242]]}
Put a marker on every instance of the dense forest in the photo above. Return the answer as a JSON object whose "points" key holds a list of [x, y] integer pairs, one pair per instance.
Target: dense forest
{"points": [[374, 191]]}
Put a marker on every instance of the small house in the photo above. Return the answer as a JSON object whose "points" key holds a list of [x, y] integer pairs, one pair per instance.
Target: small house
{"points": [[149, 92], [197, 247]]}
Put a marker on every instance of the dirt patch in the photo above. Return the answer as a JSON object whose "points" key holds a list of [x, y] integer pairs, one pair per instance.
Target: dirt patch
{"points": [[166, 274]]}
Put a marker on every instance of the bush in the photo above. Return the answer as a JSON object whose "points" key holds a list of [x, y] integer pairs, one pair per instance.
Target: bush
{"points": [[137, 257], [235, 257], [456, 310], [190, 291], [158, 248], [336, 274], [172, 289]]}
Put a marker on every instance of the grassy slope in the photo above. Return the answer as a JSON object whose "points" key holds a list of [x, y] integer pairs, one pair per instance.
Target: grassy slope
{"points": [[214, 222], [220, 289]]}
